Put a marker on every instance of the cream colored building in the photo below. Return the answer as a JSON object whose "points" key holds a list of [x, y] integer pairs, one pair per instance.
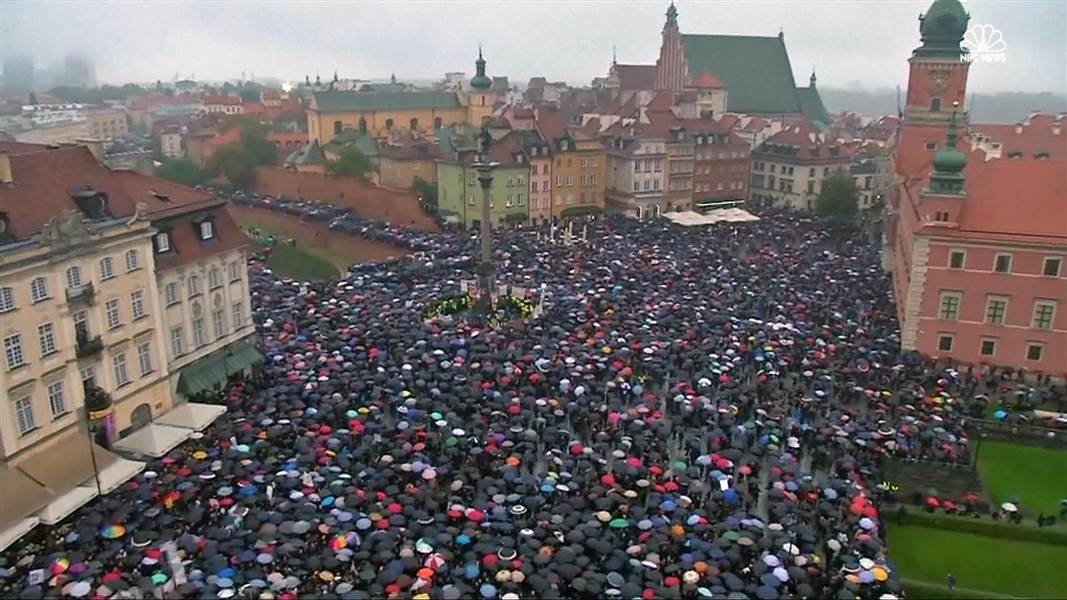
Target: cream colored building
{"points": [[107, 123], [77, 275], [65, 132]]}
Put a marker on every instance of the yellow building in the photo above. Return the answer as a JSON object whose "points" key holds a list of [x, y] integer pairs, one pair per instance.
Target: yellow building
{"points": [[86, 255], [403, 159], [382, 112]]}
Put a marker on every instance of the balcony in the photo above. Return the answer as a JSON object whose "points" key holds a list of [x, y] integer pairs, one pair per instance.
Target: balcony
{"points": [[88, 346], [82, 294]]}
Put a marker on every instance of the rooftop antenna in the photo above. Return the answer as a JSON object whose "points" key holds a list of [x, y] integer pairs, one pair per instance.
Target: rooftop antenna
{"points": [[614, 58], [900, 113]]}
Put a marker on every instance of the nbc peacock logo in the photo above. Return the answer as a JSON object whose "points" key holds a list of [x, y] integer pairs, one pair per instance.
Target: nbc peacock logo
{"points": [[985, 43]]}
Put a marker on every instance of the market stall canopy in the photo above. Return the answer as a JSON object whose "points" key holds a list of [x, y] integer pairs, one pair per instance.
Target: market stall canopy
{"points": [[22, 497], [13, 533], [153, 440], [214, 368], [66, 463], [192, 415], [65, 505], [116, 474], [692, 219]]}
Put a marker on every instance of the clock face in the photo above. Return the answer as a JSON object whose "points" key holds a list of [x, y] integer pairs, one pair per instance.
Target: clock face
{"points": [[938, 81]]}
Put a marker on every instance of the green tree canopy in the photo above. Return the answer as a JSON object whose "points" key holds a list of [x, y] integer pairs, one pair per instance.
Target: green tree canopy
{"points": [[237, 162], [181, 170], [426, 190], [838, 198], [352, 163]]}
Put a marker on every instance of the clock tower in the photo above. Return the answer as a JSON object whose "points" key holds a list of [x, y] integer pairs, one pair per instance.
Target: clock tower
{"points": [[938, 68]]}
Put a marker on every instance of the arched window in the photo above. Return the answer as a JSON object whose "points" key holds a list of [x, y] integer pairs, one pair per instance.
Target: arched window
{"points": [[935, 104], [388, 123], [39, 289], [133, 260], [107, 268], [337, 127], [414, 124], [483, 100], [362, 125], [437, 122], [74, 279]]}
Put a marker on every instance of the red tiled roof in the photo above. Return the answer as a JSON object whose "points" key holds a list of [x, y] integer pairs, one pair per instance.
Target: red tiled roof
{"points": [[1038, 191], [230, 100], [43, 180], [755, 124], [729, 121], [810, 143], [661, 102], [1036, 134], [636, 77], [271, 95], [186, 245]]}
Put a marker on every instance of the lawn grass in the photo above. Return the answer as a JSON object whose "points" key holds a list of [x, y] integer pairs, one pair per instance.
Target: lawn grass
{"points": [[982, 563], [295, 261], [1036, 475]]}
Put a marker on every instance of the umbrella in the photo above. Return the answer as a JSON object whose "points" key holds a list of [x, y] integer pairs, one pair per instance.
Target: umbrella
{"points": [[1009, 507], [112, 532]]}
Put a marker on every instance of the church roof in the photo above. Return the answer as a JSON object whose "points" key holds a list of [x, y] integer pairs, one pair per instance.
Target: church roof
{"points": [[636, 77], [341, 101], [812, 107], [310, 154], [755, 70]]}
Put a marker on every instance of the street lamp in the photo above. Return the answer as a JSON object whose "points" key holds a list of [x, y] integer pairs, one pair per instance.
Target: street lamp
{"points": [[485, 267]]}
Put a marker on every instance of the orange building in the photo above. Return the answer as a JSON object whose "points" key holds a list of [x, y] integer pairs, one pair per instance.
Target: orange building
{"points": [[976, 240], [579, 164]]}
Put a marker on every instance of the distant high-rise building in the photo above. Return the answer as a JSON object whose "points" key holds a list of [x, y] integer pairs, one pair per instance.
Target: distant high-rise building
{"points": [[78, 70], [18, 74]]}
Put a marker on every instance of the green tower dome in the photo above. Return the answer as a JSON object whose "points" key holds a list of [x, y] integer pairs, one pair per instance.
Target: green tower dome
{"points": [[942, 28], [480, 81], [948, 162]]}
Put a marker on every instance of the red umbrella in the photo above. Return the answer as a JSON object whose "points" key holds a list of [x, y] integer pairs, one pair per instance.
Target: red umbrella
{"points": [[932, 502]]}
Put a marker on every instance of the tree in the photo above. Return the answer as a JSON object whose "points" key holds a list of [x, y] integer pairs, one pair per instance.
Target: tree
{"points": [[426, 191], [181, 170], [838, 198], [352, 163], [232, 162]]}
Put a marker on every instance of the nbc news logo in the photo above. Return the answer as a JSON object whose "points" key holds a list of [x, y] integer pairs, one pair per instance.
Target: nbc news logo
{"points": [[985, 43]]}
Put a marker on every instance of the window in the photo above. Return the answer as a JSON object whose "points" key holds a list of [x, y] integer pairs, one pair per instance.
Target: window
{"points": [[950, 305], [581, 180], [413, 124], [559, 180], [39, 289], [56, 401], [988, 348], [144, 358], [931, 145], [107, 268], [519, 199], [637, 186], [81, 324], [207, 229], [214, 278], [199, 337], [1051, 268], [1002, 264], [111, 309], [592, 179], [122, 375], [811, 187], [811, 172], [995, 309], [137, 304], [935, 104], [46, 335], [944, 342], [74, 279], [7, 299], [337, 127], [88, 376], [956, 259], [24, 415], [170, 293], [235, 271], [388, 123], [1044, 310], [218, 319], [177, 342], [238, 315], [162, 242], [582, 163], [13, 351], [1034, 351], [508, 201], [133, 260], [194, 285]]}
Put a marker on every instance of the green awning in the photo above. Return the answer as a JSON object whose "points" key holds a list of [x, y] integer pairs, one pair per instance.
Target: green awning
{"points": [[214, 368]]}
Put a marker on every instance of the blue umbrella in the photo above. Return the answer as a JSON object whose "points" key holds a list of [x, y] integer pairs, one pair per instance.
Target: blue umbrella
{"points": [[668, 505], [1000, 415], [487, 590]]}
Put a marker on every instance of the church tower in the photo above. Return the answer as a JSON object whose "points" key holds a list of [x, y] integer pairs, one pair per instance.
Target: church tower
{"points": [[480, 97], [938, 68], [671, 67]]}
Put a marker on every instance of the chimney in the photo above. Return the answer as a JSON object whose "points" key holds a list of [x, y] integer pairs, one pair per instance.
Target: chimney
{"points": [[1018, 128], [6, 175], [1057, 128]]}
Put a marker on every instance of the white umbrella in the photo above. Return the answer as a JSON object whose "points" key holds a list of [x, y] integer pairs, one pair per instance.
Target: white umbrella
{"points": [[1008, 506]]}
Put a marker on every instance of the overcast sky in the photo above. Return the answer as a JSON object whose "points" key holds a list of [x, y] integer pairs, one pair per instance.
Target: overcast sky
{"points": [[850, 43]]}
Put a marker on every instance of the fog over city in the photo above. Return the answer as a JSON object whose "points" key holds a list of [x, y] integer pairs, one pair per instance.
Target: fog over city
{"points": [[849, 44]]}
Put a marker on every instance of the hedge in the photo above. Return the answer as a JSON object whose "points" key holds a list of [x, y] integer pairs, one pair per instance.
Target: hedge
{"points": [[1056, 536]]}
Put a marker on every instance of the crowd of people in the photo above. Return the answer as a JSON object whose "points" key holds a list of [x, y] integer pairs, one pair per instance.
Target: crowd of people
{"points": [[695, 413]]}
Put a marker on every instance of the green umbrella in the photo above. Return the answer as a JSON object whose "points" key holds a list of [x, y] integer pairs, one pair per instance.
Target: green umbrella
{"points": [[451, 441], [618, 523], [730, 536], [159, 578], [678, 465]]}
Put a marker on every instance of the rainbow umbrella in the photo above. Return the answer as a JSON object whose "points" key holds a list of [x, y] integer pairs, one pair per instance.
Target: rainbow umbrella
{"points": [[60, 566], [337, 542], [113, 532]]}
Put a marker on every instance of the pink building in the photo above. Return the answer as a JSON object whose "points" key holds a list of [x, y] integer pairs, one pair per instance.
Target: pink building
{"points": [[977, 241]]}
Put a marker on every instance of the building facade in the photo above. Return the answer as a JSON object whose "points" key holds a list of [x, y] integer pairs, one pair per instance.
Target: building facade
{"points": [[720, 166], [789, 168], [379, 113], [107, 123], [977, 279], [459, 192], [540, 157], [635, 175]]}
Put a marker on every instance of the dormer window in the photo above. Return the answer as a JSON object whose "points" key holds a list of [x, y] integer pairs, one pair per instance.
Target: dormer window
{"points": [[563, 144], [205, 227], [162, 242]]}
